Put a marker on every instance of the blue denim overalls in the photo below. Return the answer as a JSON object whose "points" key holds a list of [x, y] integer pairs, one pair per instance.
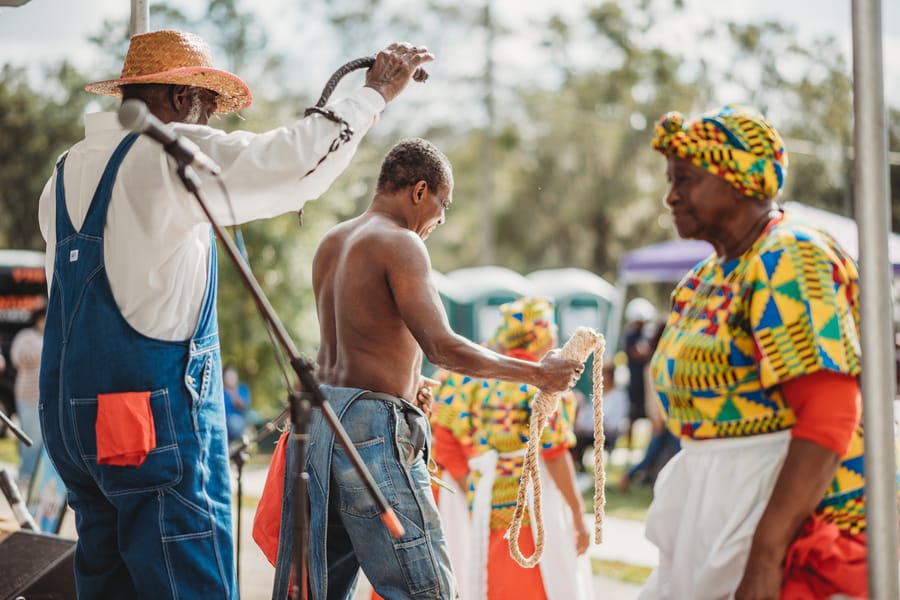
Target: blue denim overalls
{"points": [[163, 529], [346, 532]]}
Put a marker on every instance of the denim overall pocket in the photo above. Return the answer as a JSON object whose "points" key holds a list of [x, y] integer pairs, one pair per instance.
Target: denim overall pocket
{"points": [[162, 466]]}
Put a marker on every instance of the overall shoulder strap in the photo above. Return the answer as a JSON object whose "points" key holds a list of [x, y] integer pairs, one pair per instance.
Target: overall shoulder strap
{"points": [[95, 219]]}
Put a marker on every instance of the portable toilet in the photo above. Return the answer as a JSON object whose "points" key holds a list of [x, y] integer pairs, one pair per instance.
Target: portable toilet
{"points": [[447, 291], [480, 291], [582, 299]]}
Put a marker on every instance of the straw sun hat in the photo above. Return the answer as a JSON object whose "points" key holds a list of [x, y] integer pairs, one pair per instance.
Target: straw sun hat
{"points": [[179, 58]]}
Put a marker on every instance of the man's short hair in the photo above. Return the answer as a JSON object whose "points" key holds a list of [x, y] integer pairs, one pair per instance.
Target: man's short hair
{"points": [[411, 161]]}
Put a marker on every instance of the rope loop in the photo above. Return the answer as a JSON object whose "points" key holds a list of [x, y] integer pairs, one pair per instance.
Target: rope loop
{"points": [[580, 346]]}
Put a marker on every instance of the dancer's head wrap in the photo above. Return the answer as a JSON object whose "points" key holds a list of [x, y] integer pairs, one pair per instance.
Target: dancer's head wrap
{"points": [[733, 142]]}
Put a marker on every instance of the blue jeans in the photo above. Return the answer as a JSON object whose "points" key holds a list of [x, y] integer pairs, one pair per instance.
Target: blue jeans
{"points": [[662, 447], [417, 564]]}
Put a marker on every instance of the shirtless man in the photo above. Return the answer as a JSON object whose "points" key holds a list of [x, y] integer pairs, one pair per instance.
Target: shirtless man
{"points": [[379, 311]]}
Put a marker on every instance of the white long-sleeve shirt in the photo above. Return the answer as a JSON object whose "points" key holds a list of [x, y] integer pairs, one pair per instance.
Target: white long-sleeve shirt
{"points": [[156, 239]]}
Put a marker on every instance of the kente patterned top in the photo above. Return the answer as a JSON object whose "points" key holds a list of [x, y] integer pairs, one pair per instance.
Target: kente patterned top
{"points": [[787, 307], [490, 414]]}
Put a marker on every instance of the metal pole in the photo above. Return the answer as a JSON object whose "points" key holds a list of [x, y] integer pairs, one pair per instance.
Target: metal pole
{"points": [[140, 16], [873, 217]]}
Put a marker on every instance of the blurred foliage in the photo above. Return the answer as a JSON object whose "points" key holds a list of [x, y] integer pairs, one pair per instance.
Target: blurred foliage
{"points": [[574, 180], [620, 571], [9, 450], [37, 128]]}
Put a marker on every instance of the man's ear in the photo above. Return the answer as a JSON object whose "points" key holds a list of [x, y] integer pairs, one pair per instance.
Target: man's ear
{"points": [[418, 191]]}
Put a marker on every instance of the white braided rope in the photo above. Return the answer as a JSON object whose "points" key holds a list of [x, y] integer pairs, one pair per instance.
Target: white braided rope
{"points": [[599, 443], [582, 343]]}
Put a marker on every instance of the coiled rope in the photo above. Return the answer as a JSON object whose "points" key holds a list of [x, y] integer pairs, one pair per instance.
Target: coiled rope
{"points": [[580, 346]]}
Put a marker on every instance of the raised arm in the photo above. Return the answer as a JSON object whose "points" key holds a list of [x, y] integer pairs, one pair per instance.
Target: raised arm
{"points": [[417, 298], [277, 171]]}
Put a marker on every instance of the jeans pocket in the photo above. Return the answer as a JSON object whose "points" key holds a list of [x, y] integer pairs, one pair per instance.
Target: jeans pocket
{"points": [[354, 495], [412, 434], [417, 562], [162, 466]]}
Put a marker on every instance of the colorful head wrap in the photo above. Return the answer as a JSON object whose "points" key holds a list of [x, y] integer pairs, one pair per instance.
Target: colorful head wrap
{"points": [[527, 324], [734, 143]]}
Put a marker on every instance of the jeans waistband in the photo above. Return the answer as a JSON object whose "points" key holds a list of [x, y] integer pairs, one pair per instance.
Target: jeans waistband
{"points": [[396, 400]]}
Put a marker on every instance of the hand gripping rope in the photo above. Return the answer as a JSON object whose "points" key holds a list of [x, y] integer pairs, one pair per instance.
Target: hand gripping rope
{"points": [[582, 343]]}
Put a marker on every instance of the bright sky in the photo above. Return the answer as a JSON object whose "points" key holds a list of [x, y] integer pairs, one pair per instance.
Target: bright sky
{"points": [[46, 31]]}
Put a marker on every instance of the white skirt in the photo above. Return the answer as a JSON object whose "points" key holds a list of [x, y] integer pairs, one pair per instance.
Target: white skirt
{"points": [[706, 503], [566, 576]]}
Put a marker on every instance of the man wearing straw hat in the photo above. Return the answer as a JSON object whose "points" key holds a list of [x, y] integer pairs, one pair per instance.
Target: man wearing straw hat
{"points": [[131, 387]]}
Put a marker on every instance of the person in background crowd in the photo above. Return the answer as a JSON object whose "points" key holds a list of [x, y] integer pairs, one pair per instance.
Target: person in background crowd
{"points": [[639, 312], [480, 429], [237, 403], [757, 372], [615, 417], [663, 443], [25, 355]]}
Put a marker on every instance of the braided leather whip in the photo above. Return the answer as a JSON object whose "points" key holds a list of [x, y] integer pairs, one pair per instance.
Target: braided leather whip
{"points": [[346, 132], [359, 63]]}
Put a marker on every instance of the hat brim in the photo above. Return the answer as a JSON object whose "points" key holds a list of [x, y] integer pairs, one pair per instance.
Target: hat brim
{"points": [[233, 94]]}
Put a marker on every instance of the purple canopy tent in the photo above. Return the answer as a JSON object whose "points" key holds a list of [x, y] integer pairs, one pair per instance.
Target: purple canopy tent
{"points": [[669, 261], [662, 262]]}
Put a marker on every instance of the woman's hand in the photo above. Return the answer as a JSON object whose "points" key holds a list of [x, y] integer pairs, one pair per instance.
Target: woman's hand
{"points": [[582, 537], [762, 578]]}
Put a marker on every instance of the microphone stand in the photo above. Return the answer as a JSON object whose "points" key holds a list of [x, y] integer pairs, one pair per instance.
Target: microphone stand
{"points": [[16, 431], [301, 404], [8, 486], [238, 454]]}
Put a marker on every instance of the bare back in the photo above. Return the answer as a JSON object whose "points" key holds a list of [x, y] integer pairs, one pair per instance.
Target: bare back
{"points": [[360, 267]]}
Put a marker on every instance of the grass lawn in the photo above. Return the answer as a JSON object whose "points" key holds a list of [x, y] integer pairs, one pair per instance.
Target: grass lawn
{"points": [[631, 505], [620, 571], [9, 453]]}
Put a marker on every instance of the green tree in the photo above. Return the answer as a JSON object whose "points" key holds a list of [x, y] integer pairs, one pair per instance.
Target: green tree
{"points": [[894, 177], [572, 184], [37, 127]]}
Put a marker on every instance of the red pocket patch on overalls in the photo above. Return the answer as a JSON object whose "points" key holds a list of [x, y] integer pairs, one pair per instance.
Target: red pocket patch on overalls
{"points": [[124, 428]]}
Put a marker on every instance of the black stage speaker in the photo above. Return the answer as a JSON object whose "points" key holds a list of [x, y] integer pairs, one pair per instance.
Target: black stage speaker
{"points": [[36, 566]]}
